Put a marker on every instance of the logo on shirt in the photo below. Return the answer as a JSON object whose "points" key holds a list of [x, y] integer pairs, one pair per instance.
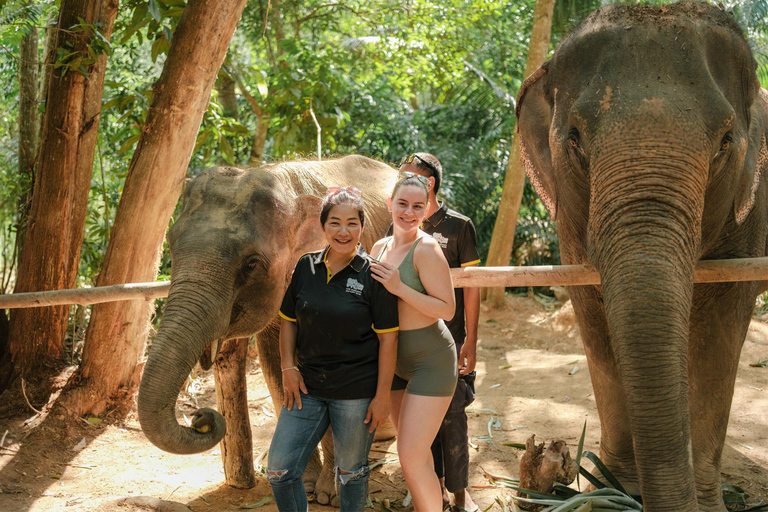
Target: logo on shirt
{"points": [[440, 240], [354, 286]]}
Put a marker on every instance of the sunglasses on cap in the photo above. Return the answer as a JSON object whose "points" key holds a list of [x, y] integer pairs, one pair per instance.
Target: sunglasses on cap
{"points": [[410, 158], [353, 191], [404, 175]]}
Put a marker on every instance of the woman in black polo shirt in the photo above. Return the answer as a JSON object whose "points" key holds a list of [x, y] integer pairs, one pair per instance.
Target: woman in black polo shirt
{"points": [[338, 345]]}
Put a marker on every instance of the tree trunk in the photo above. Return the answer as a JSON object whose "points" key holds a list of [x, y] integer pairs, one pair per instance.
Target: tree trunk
{"points": [[500, 250], [27, 107], [117, 332], [49, 57], [52, 242], [232, 398], [257, 149], [226, 87]]}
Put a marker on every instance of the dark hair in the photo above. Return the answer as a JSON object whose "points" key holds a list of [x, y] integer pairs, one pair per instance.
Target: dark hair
{"points": [[431, 164], [348, 196], [411, 181]]}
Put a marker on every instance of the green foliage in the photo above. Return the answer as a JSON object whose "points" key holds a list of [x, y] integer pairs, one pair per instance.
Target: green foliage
{"points": [[83, 50], [25, 17], [383, 78]]}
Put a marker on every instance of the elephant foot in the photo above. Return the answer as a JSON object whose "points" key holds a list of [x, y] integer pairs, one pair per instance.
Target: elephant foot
{"points": [[709, 491], [325, 490], [312, 472]]}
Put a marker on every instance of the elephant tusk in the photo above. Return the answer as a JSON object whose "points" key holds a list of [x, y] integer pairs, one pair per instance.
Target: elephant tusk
{"points": [[214, 350]]}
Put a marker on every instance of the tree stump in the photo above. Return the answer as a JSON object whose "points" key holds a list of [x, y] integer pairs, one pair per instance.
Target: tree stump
{"points": [[540, 468]]}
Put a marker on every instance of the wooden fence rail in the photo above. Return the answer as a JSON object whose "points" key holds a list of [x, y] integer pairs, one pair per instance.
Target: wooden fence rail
{"points": [[712, 271]]}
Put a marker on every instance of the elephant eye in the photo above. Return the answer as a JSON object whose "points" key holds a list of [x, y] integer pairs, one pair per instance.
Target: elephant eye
{"points": [[726, 142], [573, 138], [252, 262], [258, 259]]}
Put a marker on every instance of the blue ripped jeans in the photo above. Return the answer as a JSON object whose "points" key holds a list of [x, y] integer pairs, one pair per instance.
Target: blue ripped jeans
{"points": [[299, 431]]}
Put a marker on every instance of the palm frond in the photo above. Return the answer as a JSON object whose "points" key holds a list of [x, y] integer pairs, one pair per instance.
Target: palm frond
{"points": [[28, 16]]}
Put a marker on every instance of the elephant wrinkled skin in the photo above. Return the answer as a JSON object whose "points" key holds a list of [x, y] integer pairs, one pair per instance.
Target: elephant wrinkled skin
{"points": [[645, 136], [233, 249]]}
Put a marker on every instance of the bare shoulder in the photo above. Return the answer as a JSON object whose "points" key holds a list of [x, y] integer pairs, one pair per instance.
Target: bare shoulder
{"points": [[429, 249], [377, 246]]}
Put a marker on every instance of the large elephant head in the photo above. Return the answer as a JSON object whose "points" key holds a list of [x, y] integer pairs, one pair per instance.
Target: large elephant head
{"points": [[233, 248], [645, 138]]}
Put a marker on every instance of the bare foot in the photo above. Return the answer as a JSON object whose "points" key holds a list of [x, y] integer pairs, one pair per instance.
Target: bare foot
{"points": [[463, 502]]}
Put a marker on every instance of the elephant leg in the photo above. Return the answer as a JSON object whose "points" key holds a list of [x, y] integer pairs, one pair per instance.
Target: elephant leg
{"points": [[616, 449], [326, 490], [232, 398], [268, 346], [720, 318]]}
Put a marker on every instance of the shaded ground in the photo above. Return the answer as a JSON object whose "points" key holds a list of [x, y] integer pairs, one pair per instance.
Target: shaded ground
{"points": [[527, 374]]}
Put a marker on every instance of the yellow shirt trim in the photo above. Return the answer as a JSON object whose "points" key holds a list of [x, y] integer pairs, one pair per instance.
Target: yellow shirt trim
{"points": [[470, 263], [381, 331], [286, 317], [328, 270]]}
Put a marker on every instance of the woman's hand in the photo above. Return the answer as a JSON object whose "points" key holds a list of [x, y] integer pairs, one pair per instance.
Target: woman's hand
{"points": [[388, 275], [293, 386], [378, 412]]}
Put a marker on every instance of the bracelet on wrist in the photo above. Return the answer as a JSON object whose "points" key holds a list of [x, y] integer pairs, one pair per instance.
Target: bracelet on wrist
{"points": [[290, 368]]}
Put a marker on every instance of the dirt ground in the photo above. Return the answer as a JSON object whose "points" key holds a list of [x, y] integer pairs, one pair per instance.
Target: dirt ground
{"points": [[533, 378]]}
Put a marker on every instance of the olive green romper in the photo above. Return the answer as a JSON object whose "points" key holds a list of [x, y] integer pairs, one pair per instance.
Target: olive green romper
{"points": [[426, 357]]}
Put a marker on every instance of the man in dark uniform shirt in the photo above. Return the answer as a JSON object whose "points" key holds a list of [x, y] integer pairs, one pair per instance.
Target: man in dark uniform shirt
{"points": [[456, 235]]}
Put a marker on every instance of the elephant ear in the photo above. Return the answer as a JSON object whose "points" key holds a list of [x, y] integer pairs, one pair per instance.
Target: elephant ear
{"points": [[309, 233], [756, 160], [534, 116]]}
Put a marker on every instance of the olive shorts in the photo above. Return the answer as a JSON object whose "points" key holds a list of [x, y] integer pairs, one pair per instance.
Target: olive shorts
{"points": [[426, 361]]}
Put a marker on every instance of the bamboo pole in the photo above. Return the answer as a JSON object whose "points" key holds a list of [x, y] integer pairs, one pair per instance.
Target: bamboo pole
{"points": [[711, 271], [86, 296]]}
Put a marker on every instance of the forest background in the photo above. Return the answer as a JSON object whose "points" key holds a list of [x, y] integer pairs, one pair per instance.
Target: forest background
{"points": [[376, 77]]}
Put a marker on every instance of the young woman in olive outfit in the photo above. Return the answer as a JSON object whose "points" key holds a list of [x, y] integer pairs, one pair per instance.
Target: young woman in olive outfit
{"points": [[338, 345], [412, 266]]}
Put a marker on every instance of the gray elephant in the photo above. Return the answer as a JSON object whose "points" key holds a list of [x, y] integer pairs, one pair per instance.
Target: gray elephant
{"points": [[233, 249], [645, 136]]}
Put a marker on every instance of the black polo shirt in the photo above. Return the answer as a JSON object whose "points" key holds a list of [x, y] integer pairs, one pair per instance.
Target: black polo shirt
{"points": [[456, 235], [338, 317]]}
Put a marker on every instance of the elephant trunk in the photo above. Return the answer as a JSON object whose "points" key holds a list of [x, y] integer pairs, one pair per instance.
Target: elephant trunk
{"points": [[645, 225], [196, 314]]}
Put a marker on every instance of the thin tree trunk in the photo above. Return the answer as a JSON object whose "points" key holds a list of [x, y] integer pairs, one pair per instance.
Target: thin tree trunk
{"points": [[117, 332], [500, 250], [51, 249], [28, 104], [257, 148], [29, 127], [226, 87], [49, 56]]}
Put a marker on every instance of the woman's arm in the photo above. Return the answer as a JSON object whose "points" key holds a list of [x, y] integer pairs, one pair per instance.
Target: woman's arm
{"points": [[378, 410], [293, 383], [435, 275]]}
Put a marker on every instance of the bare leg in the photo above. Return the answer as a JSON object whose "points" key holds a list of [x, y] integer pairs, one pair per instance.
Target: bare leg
{"points": [[463, 500], [444, 492], [395, 402], [417, 422]]}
